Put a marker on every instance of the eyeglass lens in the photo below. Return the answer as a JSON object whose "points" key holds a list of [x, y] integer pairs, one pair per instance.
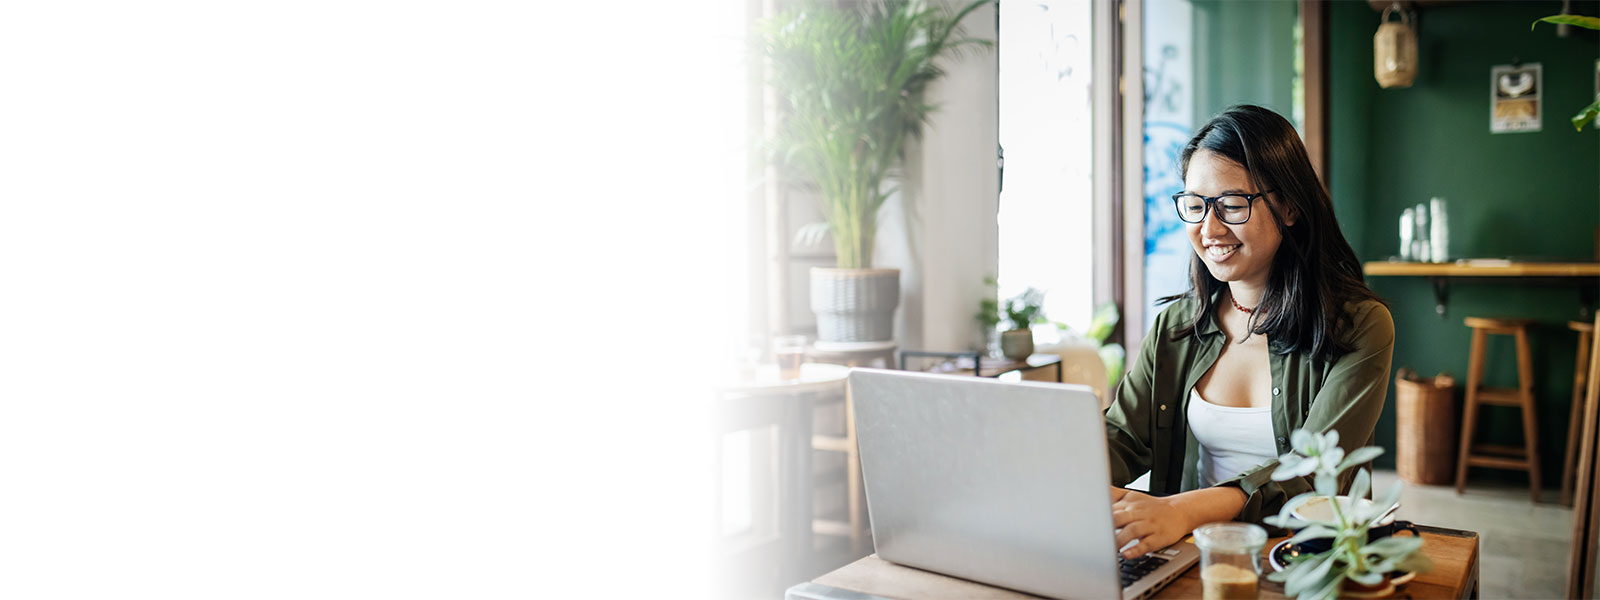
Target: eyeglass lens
{"points": [[1233, 209]]}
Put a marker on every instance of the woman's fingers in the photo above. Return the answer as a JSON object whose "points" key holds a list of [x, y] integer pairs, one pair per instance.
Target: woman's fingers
{"points": [[1128, 507], [1117, 493], [1140, 549], [1122, 514], [1134, 531]]}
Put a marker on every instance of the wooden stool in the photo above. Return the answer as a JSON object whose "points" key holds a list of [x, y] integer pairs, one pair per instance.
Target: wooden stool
{"points": [[1497, 456], [1580, 378]]}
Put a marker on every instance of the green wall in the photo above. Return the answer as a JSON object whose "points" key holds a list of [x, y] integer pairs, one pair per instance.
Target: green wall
{"points": [[1243, 53], [1523, 194]]}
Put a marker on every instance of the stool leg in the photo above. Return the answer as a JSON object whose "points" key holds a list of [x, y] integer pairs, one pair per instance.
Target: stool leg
{"points": [[1579, 380], [853, 483], [1469, 418], [1530, 424]]}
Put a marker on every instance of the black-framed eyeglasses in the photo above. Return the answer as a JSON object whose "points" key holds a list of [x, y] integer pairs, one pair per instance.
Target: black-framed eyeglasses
{"points": [[1233, 209]]}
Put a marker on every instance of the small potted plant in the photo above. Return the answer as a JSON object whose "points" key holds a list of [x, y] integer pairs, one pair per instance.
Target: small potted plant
{"points": [[1021, 312], [1353, 559]]}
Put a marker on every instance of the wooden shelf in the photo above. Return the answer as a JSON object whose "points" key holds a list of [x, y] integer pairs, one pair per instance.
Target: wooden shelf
{"points": [[1467, 269], [1561, 273]]}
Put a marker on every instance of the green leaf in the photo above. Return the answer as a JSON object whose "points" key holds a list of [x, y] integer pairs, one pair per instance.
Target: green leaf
{"points": [[1330, 441], [1328, 591], [1359, 487], [1373, 577], [1327, 484], [1313, 572], [1313, 532], [1360, 456], [1303, 441], [1286, 522], [1114, 358], [1389, 499], [1578, 20], [1104, 320], [1393, 546], [1291, 466], [1587, 115]]}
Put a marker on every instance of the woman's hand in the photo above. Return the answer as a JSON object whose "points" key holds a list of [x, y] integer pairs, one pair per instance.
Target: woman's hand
{"points": [[1160, 522], [1154, 522]]}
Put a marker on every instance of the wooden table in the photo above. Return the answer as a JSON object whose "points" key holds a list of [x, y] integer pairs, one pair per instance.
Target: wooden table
{"points": [[1440, 274], [762, 402], [1454, 575]]}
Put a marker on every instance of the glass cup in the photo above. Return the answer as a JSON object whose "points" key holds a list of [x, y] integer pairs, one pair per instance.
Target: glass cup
{"points": [[789, 351], [1230, 559]]}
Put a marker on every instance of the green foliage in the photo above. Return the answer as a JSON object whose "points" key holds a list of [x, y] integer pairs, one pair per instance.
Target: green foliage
{"points": [[1025, 309], [1587, 114], [1114, 357], [1028, 308], [989, 308], [1579, 20], [1351, 557], [1103, 322], [851, 82]]}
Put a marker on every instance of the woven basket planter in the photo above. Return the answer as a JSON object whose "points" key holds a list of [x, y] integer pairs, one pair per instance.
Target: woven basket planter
{"points": [[855, 305]]}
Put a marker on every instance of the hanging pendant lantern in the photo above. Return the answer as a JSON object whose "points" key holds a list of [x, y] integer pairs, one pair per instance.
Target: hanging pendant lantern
{"points": [[1394, 50]]}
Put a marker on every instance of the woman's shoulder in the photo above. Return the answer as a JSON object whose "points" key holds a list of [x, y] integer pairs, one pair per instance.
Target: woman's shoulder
{"points": [[1176, 315], [1370, 323]]}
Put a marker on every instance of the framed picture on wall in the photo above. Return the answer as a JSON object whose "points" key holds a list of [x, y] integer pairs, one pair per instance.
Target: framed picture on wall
{"points": [[1515, 93]]}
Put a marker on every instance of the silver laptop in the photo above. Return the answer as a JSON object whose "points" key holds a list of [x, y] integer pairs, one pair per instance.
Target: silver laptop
{"points": [[1002, 483]]}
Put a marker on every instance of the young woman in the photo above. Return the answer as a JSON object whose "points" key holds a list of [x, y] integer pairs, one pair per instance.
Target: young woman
{"points": [[1277, 332]]}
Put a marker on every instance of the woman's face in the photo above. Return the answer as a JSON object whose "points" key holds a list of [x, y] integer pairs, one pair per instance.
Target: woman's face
{"points": [[1243, 252]]}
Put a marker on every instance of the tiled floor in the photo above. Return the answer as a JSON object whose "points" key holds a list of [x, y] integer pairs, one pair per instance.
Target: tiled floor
{"points": [[1523, 546]]}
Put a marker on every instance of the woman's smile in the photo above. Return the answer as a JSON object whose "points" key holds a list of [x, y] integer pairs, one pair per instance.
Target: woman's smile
{"points": [[1219, 253]]}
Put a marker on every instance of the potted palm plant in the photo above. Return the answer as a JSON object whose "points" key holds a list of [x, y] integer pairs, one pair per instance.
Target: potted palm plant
{"points": [[850, 81]]}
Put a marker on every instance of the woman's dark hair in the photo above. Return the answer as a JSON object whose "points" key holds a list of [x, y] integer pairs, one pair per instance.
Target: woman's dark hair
{"points": [[1314, 272]]}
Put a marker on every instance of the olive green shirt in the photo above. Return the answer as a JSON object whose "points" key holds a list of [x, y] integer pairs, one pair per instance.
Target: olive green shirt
{"points": [[1146, 428]]}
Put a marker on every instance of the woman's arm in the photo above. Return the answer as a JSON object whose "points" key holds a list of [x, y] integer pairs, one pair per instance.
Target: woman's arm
{"points": [[1159, 522], [1128, 419]]}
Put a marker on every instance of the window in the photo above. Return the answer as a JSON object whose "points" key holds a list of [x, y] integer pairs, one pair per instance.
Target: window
{"points": [[1046, 195]]}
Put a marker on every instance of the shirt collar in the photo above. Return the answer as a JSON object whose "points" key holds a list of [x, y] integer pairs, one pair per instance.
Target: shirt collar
{"points": [[1208, 321]]}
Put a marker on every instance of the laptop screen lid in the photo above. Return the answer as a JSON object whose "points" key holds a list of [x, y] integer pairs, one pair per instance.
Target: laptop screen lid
{"points": [[1003, 483]]}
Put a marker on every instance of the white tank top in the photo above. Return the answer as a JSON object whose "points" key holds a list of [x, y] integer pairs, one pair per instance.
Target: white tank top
{"points": [[1232, 439]]}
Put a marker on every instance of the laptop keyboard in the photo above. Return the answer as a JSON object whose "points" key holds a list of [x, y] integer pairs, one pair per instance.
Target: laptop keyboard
{"points": [[1136, 568]]}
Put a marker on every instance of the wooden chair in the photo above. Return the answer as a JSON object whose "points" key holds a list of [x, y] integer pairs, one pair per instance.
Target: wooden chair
{"points": [[1580, 378], [1585, 511], [1525, 458]]}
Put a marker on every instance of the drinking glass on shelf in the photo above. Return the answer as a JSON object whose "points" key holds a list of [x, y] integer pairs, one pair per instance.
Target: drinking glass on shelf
{"points": [[789, 351]]}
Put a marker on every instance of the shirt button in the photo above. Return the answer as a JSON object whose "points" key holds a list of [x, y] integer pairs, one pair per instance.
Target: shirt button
{"points": [[1163, 407], [1275, 391]]}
